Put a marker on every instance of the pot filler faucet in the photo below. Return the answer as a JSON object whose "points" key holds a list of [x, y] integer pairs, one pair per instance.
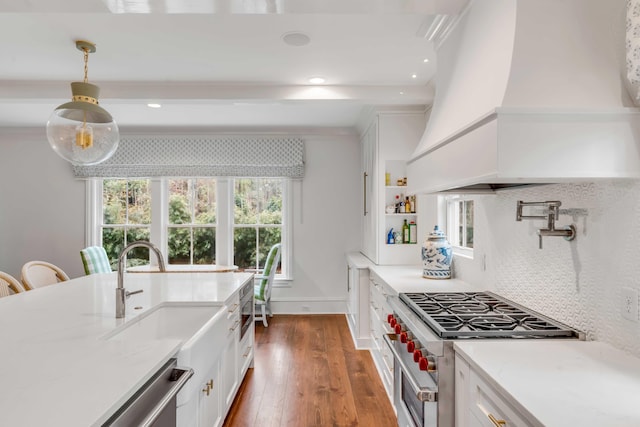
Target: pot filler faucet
{"points": [[553, 211], [121, 293]]}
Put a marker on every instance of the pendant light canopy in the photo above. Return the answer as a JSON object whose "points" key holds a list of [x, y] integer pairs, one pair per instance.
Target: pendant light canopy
{"points": [[81, 131]]}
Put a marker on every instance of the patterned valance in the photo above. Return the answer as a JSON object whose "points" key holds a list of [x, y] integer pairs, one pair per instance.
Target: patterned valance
{"points": [[153, 156]]}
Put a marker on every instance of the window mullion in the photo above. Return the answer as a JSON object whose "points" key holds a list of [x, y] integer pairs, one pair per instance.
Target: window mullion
{"points": [[159, 217]]}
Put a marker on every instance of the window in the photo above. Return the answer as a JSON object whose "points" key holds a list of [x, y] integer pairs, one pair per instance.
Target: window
{"points": [[257, 220], [193, 220], [191, 229], [126, 217], [460, 224]]}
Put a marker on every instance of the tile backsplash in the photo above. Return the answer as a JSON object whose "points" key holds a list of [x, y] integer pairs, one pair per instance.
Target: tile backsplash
{"points": [[579, 282]]}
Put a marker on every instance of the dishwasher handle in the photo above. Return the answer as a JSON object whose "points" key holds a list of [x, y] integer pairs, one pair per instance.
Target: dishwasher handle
{"points": [[178, 375]]}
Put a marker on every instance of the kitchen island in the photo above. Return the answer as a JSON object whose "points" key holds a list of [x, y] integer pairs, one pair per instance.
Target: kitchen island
{"points": [[57, 367]]}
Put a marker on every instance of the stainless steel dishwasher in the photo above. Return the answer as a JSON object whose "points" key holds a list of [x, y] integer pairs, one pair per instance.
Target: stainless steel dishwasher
{"points": [[154, 404]]}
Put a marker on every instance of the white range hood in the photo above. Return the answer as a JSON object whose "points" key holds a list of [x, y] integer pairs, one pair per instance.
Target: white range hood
{"points": [[529, 91]]}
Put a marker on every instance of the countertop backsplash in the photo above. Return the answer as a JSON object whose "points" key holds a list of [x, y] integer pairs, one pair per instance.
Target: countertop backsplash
{"points": [[578, 282]]}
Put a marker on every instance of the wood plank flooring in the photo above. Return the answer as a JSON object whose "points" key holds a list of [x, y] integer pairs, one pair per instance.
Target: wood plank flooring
{"points": [[308, 374]]}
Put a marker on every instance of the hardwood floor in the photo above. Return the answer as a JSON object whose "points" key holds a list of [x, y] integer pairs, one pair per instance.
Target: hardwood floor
{"points": [[308, 373]]}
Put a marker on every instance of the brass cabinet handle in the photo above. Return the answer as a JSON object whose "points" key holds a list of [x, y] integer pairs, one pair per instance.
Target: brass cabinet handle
{"points": [[233, 308], [235, 325], [208, 388], [496, 422], [247, 352]]}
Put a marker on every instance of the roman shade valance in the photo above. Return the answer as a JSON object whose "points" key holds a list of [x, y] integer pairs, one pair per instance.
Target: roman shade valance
{"points": [[154, 156]]}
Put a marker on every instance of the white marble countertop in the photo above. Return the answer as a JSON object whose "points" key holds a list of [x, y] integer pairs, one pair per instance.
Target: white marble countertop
{"points": [[408, 278], [560, 382], [56, 371]]}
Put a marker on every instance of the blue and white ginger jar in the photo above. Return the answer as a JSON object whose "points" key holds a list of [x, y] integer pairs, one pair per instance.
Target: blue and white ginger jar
{"points": [[436, 256]]}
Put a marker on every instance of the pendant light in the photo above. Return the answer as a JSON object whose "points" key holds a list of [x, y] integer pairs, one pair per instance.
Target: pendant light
{"points": [[81, 131]]}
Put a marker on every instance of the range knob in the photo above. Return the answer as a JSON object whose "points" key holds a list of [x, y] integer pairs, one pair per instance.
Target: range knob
{"points": [[389, 317], [417, 354], [403, 337], [397, 327], [423, 364], [393, 322], [411, 346]]}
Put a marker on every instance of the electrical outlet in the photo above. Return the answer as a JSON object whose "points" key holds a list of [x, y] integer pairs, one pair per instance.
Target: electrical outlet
{"points": [[630, 304]]}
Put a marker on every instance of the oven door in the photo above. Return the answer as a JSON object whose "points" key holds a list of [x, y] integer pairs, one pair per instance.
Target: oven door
{"points": [[415, 391], [246, 308]]}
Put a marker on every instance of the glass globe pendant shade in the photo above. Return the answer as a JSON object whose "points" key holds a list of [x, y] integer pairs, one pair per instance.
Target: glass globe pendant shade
{"points": [[81, 131]]}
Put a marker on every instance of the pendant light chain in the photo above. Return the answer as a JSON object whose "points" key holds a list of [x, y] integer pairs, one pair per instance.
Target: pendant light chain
{"points": [[86, 64]]}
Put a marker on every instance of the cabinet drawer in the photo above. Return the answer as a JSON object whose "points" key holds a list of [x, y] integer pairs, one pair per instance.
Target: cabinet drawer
{"points": [[486, 405]]}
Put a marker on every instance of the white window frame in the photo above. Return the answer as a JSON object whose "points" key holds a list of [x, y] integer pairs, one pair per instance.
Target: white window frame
{"points": [[286, 257], [224, 216], [453, 224]]}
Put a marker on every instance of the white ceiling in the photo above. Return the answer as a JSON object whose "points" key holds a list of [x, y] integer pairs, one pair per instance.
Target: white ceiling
{"points": [[220, 63]]}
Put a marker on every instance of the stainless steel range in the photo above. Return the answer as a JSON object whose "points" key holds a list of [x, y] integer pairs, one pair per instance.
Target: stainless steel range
{"points": [[426, 325]]}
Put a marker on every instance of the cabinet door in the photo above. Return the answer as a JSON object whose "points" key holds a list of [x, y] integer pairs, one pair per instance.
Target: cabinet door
{"points": [[210, 405], [230, 368], [245, 354], [369, 211]]}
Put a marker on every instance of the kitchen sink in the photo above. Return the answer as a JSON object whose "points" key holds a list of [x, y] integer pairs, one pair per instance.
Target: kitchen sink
{"points": [[166, 321], [197, 325]]}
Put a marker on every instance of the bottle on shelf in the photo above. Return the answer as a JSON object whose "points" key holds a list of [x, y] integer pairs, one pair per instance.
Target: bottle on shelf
{"points": [[401, 205], [407, 205], [391, 238], [397, 203], [405, 232], [413, 232]]}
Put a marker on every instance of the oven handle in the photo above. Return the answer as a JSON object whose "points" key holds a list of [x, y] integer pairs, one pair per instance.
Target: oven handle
{"points": [[422, 394]]}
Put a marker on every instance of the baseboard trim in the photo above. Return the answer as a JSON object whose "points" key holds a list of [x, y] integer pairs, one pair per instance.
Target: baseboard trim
{"points": [[308, 305]]}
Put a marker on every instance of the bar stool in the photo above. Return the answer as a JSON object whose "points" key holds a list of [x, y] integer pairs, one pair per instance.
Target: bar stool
{"points": [[36, 274]]}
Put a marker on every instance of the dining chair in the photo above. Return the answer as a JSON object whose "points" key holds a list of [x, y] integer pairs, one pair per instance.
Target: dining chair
{"points": [[36, 274], [9, 285], [95, 260], [263, 284]]}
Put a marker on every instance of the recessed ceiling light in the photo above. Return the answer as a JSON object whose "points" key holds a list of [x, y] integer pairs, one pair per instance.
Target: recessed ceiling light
{"points": [[426, 60], [152, 105], [317, 80], [401, 93], [413, 76], [296, 38]]}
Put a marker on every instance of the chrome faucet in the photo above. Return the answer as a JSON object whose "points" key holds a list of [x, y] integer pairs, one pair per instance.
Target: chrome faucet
{"points": [[121, 293], [553, 211]]}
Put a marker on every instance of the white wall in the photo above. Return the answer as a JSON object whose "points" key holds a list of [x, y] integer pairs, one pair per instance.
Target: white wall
{"points": [[41, 205], [580, 282], [42, 215]]}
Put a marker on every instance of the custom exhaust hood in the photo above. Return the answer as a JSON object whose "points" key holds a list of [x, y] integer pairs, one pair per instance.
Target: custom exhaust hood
{"points": [[529, 92]]}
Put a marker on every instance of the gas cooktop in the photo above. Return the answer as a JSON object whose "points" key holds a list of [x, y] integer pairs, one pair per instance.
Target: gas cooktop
{"points": [[457, 315]]}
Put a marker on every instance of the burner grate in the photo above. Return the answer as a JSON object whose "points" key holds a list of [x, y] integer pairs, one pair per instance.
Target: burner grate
{"points": [[481, 315]]}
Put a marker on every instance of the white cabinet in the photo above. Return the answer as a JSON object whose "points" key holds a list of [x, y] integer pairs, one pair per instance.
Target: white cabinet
{"points": [[210, 399], [387, 142], [369, 142], [378, 312], [358, 299], [478, 404]]}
